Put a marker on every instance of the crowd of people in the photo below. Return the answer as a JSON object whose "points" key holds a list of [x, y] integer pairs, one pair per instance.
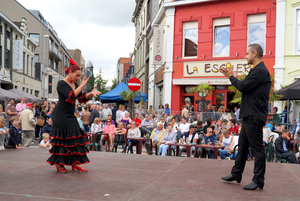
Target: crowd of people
{"points": [[25, 122]]}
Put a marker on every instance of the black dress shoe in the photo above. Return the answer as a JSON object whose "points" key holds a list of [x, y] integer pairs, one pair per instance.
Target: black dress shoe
{"points": [[253, 186], [232, 178]]}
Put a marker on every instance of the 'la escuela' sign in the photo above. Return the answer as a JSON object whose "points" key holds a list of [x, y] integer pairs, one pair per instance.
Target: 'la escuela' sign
{"points": [[212, 68]]}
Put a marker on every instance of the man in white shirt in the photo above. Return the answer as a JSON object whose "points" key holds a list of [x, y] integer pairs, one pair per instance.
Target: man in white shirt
{"points": [[183, 128], [106, 111]]}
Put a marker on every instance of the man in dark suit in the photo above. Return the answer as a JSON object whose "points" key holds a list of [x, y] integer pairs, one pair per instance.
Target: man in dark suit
{"points": [[255, 90], [282, 146], [94, 114]]}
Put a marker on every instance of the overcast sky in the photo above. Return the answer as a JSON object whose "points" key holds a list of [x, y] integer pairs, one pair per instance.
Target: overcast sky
{"points": [[101, 29]]}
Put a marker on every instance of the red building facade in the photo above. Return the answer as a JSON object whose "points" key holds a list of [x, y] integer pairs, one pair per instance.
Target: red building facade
{"points": [[212, 34]]}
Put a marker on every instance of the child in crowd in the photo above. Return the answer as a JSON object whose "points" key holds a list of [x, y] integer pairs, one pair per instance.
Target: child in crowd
{"points": [[78, 119], [45, 142], [15, 138], [3, 132]]}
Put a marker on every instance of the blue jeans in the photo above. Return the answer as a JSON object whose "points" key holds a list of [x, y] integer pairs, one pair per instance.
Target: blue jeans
{"points": [[180, 135], [163, 148], [130, 143], [7, 124], [223, 153], [211, 152], [86, 128]]}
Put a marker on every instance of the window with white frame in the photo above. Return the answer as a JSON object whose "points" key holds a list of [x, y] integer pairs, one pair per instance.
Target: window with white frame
{"points": [[257, 30], [190, 39], [298, 31], [221, 45]]}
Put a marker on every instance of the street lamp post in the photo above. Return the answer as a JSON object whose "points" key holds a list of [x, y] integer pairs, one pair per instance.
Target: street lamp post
{"points": [[44, 68]]}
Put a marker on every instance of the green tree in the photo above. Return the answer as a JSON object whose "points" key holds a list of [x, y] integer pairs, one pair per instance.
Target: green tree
{"points": [[202, 90], [114, 83], [237, 98], [128, 96], [101, 83]]}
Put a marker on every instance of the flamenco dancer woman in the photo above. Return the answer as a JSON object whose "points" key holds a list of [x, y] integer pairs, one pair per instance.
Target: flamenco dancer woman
{"points": [[68, 139]]}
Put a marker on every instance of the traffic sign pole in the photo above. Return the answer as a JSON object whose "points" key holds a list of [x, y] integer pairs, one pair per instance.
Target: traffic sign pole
{"points": [[134, 84], [133, 94]]}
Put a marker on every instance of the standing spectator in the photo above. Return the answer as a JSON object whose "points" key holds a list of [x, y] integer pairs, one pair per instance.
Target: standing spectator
{"points": [[49, 113], [21, 106], [150, 111], [94, 114], [3, 132], [36, 111], [38, 128], [156, 136], [189, 118], [167, 109], [79, 109], [189, 107], [27, 121], [114, 113], [106, 111], [284, 115], [282, 146], [123, 112], [86, 119], [99, 109], [126, 120], [118, 113], [226, 115], [78, 119], [141, 110], [220, 112], [275, 110], [147, 125], [184, 112], [10, 111], [169, 137], [161, 111], [2, 113], [183, 128], [237, 115], [296, 128], [15, 138]]}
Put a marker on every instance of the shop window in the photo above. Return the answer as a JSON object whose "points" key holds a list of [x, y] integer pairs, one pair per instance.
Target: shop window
{"points": [[221, 37], [257, 30], [187, 88], [190, 39]]}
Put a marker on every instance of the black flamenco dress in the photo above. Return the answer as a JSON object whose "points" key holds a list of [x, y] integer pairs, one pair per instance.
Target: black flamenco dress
{"points": [[68, 139]]}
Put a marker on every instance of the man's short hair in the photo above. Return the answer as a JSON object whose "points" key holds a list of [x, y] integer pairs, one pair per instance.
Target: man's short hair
{"points": [[233, 120], [183, 117], [225, 121], [137, 114], [147, 115], [12, 99], [12, 119], [257, 48], [159, 123], [191, 126], [199, 123], [285, 131]]}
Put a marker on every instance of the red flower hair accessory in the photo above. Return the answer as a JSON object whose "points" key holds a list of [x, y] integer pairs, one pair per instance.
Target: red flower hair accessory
{"points": [[72, 62]]}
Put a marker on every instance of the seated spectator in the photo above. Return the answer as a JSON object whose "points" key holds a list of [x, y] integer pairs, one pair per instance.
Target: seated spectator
{"points": [[183, 128], [266, 135], [208, 139], [3, 132], [97, 126], [234, 142], [174, 124], [15, 138], [147, 126], [156, 136], [208, 125], [48, 127], [199, 131], [291, 128], [234, 130], [132, 132], [169, 137], [225, 140], [163, 121], [45, 142], [137, 121], [195, 121], [110, 117], [126, 120], [78, 119], [279, 129], [282, 146], [225, 124], [191, 137], [166, 115], [109, 129], [119, 136]]}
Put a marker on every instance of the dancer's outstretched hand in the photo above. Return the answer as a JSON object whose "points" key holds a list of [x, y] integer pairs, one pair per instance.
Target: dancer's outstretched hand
{"points": [[95, 92]]}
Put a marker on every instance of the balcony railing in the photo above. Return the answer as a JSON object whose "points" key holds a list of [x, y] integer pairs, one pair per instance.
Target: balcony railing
{"points": [[53, 50]]}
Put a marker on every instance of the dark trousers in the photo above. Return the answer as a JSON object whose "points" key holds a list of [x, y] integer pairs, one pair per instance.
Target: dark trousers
{"points": [[251, 135], [37, 131], [290, 156]]}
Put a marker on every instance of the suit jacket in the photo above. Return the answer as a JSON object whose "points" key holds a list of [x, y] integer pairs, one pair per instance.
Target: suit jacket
{"points": [[255, 90], [160, 135], [27, 120], [94, 114], [279, 146]]}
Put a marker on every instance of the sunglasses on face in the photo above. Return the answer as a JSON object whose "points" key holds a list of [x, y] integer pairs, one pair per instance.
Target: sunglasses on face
{"points": [[209, 131], [108, 121]]}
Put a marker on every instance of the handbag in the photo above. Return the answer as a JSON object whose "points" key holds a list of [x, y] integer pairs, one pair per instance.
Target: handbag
{"points": [[40, 120]]}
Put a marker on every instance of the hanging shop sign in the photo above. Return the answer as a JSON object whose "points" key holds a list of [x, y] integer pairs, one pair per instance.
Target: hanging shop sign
{"points": [[158, 46]]}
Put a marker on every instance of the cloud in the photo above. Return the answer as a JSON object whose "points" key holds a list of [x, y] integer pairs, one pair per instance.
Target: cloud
{"points": [[225, 51], [218, 48], [101, 29]]}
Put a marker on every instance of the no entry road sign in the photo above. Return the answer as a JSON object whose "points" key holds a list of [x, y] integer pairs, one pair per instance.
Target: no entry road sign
{"points": [[134, 84]]}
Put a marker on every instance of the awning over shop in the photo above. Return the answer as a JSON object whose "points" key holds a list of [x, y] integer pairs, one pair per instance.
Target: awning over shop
{"points": [[29, 97], [6, 95], [197, 81]]}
